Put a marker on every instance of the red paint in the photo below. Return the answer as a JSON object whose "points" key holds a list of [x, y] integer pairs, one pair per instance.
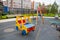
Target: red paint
{"points": [[19, 21], [31, 29], [24, 21]]}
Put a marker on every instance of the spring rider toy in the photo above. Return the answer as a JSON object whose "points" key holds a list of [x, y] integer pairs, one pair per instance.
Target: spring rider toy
{"points": [[23, 26]]}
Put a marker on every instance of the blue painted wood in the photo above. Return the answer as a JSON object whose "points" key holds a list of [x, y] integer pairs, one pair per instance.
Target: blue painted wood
{"points": [[29, 25], [24, 32], [17, 28], [5, 9]]}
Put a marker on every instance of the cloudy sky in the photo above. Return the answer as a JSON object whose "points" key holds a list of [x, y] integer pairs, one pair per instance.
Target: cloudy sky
{"points": [[47, 1]]}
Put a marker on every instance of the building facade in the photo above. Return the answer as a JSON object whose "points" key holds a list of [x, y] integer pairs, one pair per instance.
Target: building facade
{"points": [[18, 3], [27, 4]]}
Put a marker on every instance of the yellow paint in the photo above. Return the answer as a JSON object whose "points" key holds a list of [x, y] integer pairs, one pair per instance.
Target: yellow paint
{"points": [[29, 19], [23, 27]]}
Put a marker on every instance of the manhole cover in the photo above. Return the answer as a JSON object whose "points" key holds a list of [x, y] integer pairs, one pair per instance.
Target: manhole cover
{"points": [[9, 30]]}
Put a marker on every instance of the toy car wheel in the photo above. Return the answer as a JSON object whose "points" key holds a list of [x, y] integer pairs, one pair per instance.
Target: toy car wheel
{"points": [[23, 32], [16, 28]]}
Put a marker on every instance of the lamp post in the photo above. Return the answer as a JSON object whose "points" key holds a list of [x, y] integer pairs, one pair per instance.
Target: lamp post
{"points": [[32, 7], [11, 4], [7, 2], [21, 6]]}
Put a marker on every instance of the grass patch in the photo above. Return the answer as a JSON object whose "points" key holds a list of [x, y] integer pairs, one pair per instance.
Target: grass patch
{"points": [[49, 15], [4, 17], [59, 14], [29, 14]]}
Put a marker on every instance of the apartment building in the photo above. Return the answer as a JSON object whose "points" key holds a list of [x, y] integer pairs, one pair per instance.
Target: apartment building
{"points": [[27, 4], [18, 3]]}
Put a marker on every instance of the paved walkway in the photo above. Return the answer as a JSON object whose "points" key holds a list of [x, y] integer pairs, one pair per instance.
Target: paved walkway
{"points": [[42, 32]]}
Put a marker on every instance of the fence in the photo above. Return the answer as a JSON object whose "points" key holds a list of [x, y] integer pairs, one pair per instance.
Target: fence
{"points": [[21, 11]]}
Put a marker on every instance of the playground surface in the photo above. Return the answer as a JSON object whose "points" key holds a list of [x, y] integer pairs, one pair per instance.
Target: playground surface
{"points": [[43, 32]]}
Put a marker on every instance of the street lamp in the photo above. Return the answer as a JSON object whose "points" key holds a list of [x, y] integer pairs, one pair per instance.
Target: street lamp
{"points": [[32, 7], [21, 6], [7, 2]]}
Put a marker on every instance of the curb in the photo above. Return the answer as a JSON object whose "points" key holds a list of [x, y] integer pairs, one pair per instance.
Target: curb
{"points": [[7, 20], [13, 19]]}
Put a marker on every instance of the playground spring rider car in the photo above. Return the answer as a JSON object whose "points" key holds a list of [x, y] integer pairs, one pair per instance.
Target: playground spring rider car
{"points": [[23, 26]]}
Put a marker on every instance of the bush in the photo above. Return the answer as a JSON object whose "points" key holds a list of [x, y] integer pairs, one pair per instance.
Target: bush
{"points": [[4, 14], [10, 12]]}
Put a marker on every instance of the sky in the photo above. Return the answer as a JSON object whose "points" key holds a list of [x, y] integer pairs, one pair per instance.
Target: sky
{"points": [[46, 2]]}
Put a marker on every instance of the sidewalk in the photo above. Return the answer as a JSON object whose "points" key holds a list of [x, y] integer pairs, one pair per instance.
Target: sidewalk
{"points": [[7, 20], [13, 19]]}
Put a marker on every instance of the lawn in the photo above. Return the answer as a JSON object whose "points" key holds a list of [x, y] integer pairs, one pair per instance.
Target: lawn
{"points": [[30, 14], [51, 15], [47, 15]]}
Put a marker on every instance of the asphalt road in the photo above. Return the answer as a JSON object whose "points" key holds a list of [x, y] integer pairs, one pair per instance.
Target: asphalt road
{"points": [[43, 32]]}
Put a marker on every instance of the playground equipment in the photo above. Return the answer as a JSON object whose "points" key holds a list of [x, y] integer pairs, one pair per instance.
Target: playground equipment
{"points": [[56, 23], [23, 26]]}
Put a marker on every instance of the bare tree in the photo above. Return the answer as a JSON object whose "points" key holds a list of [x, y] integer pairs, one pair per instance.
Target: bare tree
{"points": [[11, 4], [7, 2], [32, 8]]}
